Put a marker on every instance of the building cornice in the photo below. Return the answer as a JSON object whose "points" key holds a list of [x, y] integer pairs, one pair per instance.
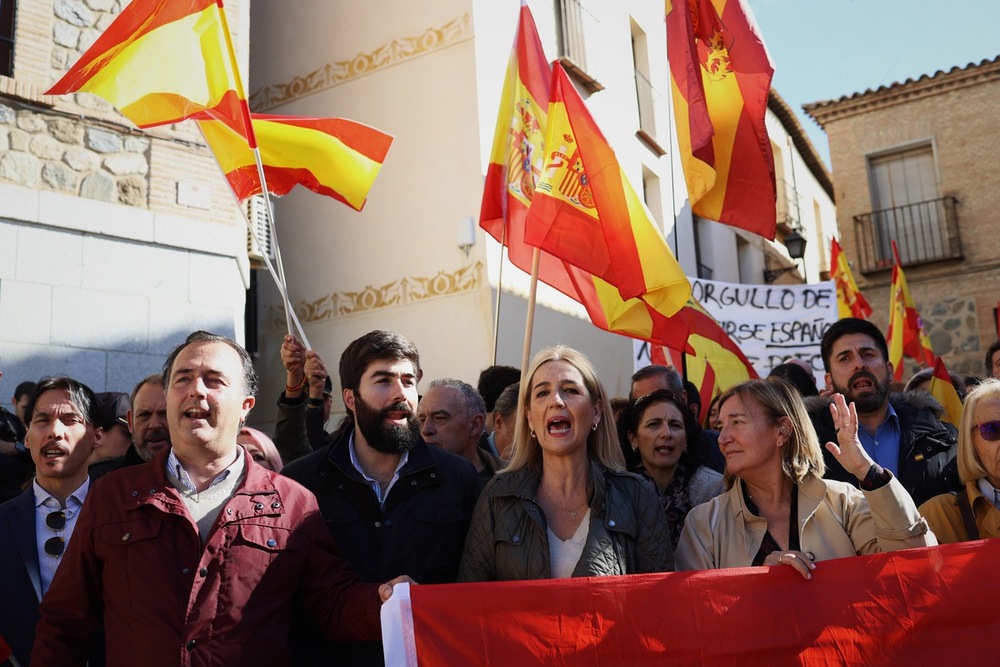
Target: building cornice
{"points": [[407, 290], [393, 52], [803, 145], [898, 93]]}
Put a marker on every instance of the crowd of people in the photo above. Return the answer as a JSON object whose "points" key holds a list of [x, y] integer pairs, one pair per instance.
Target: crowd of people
{"points": [[156, 528]]}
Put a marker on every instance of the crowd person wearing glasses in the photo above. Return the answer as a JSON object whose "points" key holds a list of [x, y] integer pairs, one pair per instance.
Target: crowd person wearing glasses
{"points": [[63, 430], [973, 512]]}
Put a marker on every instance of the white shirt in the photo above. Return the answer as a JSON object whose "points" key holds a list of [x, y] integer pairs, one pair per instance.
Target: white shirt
{"points": [[45, 504], [374, 483], [564, 555]]}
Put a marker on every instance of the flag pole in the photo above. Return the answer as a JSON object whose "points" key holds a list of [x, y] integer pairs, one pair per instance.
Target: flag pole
{"points": [[671, 130], [290, 315], [252, 143], [496, 316], [529, 321]]}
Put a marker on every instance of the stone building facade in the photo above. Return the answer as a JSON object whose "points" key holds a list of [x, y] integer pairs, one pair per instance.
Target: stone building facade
{"points": [[912, 162], [114, 242]]}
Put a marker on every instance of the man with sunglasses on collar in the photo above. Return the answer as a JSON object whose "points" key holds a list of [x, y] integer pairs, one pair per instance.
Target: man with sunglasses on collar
{"points": [[64, 428]]}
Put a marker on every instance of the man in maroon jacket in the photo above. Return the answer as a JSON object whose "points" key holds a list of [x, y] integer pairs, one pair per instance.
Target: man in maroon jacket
{"points": [[195, 557]]}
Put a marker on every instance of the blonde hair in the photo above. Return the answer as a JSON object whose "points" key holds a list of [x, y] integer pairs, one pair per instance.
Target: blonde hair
{"points": [[970, 468], [602, 443], [801, 454]]}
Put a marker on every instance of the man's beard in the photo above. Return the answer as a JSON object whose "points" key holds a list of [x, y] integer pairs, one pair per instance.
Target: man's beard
{"points": [[869, 402], [383, 436], [159, 435]]}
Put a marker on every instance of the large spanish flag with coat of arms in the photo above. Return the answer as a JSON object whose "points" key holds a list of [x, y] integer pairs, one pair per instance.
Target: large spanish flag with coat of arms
{"points": [[586, 213], [720, 75]]}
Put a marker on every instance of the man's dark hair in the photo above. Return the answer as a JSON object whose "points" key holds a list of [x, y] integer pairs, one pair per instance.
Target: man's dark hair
{"points": [[845, 327], [155, 378], [374, 346], [796, 376], [507, 400], [693, 396], [249, 374], [989, 358], [80, 395], [25, 388], [493, 380], [675, 382]]}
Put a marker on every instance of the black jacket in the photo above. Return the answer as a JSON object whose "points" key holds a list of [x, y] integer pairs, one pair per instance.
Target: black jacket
{"points": [[420, 531], [927, 446]]}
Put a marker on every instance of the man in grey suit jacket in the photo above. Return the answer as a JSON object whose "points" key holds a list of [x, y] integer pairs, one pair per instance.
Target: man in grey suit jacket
{"points": [[63, 429]]}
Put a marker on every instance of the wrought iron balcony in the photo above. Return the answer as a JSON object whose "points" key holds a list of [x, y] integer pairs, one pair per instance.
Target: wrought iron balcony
{"points": [[787, 206], [924, 232]]}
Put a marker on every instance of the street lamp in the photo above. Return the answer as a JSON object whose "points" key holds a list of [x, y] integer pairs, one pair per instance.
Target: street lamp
{"points": [[795, 243]]}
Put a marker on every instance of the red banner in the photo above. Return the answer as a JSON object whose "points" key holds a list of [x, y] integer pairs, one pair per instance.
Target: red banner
{"points": [[915, 607]]}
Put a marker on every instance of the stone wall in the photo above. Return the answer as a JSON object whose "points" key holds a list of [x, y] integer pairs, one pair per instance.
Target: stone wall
{"points": [[58, 153]]}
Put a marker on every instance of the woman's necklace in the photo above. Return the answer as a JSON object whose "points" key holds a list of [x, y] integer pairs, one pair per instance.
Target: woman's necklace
{"points": [[571, 512]]}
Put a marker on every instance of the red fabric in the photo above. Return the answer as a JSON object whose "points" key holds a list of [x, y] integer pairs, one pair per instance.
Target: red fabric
{"points": [[916, 607], [722, 74], [229, 601]]}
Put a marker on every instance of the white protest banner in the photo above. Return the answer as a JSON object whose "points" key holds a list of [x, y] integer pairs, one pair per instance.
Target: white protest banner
{"points": [[770, 323]]}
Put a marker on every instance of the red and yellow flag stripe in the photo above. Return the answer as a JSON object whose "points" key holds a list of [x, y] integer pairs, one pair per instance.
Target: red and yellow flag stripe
{"points": [[720, 75], [335, 157], [587, 214], [159, 62], [850, 301], [906, 328]]}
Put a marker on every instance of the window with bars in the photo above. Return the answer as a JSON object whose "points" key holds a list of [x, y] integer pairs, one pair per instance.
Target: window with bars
{"points": [[907, 208]]}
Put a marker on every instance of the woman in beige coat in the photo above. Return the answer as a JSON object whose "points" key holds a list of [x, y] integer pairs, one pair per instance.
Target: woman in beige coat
{"points": [[778, 509]]}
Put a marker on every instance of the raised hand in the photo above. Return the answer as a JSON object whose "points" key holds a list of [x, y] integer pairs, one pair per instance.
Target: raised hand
{"points": [[316, 373], [848, 450]]}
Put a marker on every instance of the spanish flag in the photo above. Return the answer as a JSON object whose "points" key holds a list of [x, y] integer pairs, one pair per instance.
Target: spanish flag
{"points": [[720, 75], [850, 301], [944, 391], [586, 213], [516, 158], [160, 62], [331, 156], [906, 327], [713, 361]]}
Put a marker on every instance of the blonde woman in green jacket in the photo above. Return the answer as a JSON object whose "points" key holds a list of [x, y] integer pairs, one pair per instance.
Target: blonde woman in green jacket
{"points": [[778, 510]]}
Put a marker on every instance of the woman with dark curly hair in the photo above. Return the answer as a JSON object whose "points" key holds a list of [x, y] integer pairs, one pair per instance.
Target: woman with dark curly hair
{"points": [[662, 430]]}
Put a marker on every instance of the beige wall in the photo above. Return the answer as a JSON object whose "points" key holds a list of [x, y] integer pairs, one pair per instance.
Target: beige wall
{"points": [[957, 112]]}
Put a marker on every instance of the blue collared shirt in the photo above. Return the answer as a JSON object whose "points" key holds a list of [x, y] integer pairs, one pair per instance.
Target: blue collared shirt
{"points": [[379, 493], [883, 444], [45, 504], [175, 469]]}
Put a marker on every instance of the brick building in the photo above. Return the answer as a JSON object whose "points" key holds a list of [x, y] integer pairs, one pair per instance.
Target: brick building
{"points": [[912, 162], [114, 242]]}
